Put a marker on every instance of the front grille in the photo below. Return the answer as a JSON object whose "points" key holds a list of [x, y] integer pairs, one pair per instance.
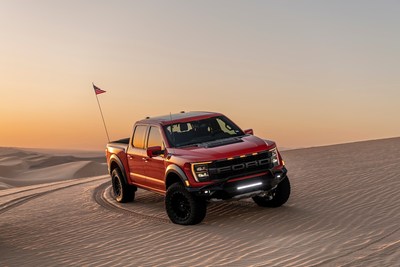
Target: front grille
{"points": [[240, 166]]}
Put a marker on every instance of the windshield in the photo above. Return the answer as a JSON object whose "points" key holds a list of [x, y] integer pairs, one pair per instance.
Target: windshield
{"points": [[201, 131]]}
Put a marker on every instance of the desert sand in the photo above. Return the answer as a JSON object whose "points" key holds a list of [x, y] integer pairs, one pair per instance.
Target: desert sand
{"points": [[22, 167], [344, 211]]}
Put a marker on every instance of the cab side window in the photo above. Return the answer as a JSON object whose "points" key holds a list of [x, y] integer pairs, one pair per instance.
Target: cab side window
{"points": [[138, 136], [155, 138]]}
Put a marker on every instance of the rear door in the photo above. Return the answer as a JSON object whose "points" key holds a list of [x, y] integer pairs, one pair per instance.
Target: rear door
{"points": [[137, 154]]}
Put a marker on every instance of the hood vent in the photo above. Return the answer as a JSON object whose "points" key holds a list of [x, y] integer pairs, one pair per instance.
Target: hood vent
{"points": [[222, 142]]}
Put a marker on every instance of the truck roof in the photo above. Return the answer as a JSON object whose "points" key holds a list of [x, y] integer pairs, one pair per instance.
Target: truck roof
{"points": [[179, 117]]}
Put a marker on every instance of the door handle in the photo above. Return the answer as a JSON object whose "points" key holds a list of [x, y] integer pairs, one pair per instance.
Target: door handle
{"points": [[145, 159]]}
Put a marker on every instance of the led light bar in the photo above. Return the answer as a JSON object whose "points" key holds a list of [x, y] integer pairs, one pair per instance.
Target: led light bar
{"points": [[249, 185]]}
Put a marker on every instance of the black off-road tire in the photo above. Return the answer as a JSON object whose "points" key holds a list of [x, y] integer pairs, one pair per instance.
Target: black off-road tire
{"points": [[182, 207], [123, 192], [279, 196]]}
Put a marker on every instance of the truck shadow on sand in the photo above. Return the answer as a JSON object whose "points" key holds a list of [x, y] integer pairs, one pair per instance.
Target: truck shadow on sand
{"points": [[218, 213]]}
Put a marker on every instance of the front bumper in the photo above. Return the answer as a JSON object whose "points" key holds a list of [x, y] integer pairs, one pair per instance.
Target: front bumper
{"points": [[227, 189]]}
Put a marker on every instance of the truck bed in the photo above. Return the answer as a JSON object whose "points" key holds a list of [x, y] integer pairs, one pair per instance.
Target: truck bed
{"points": [[118, 146], [121, 141]]}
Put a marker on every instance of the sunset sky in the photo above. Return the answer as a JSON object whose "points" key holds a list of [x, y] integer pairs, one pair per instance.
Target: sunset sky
{"points": [[302, 73]]}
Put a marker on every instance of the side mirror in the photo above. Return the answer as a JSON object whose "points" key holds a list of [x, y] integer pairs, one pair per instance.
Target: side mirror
{"points": [[154, 151], [249, 131]]}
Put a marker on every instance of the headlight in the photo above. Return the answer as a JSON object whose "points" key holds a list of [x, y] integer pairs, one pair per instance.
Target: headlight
{"points": [[200, 171], [274, 157]]}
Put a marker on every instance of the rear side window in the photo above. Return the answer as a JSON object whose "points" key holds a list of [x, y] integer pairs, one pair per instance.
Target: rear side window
{"points": [[138, 136], [154, 138]]}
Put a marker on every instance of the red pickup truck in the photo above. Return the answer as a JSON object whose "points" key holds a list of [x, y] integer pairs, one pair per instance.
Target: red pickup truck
{"points": [[195, 157]]}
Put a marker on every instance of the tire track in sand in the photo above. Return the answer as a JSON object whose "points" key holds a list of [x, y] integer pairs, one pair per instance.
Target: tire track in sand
{"points": [[100, 196], [24, 199]]}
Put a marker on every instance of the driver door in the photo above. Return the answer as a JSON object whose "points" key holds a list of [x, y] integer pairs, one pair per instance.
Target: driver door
{"points": [[155, 167]]}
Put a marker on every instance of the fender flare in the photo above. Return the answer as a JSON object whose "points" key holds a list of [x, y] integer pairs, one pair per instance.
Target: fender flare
{"points": [[116, 159], [176, 170]]}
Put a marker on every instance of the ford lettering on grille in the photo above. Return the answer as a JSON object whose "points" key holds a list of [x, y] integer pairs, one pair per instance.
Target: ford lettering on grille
{"points": [[245, 165]]}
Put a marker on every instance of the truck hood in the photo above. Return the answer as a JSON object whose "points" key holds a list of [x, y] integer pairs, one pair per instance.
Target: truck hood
{"points": [[244, 145]]}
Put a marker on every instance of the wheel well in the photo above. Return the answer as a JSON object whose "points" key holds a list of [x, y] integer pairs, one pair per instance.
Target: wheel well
{"points": [[171, 179], [113, 166]]}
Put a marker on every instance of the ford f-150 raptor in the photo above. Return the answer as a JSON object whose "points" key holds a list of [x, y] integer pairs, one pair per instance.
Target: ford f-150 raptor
{"points": [[195, 157]]}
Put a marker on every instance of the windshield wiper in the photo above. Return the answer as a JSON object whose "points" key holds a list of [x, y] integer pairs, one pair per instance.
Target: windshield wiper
{"points": [[187, 145]]}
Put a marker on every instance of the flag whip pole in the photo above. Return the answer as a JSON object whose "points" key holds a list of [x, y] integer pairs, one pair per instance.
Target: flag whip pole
{"points": [[101, 112]]}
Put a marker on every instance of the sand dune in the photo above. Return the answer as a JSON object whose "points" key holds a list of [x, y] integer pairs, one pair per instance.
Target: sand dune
{"points": [[344, 211], [21, 167]]}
